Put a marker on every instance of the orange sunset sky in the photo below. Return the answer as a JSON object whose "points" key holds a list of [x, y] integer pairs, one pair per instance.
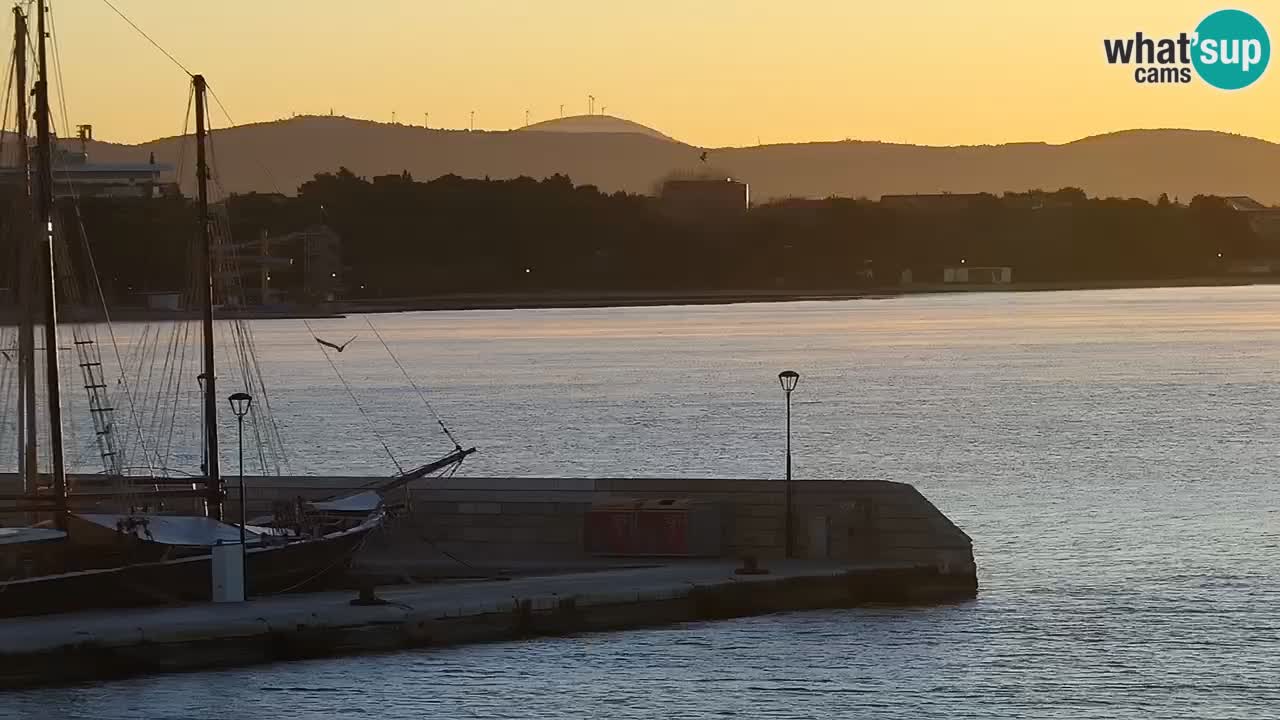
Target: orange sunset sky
{"points": [[710, 72]]}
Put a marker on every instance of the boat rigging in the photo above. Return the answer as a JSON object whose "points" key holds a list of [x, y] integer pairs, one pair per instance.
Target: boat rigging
{"points": [[126, 546]]}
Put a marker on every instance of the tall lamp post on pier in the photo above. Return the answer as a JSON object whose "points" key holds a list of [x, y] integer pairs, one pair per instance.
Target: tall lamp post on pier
{"points": [[204, 446], [788, 379], [240, 405]]}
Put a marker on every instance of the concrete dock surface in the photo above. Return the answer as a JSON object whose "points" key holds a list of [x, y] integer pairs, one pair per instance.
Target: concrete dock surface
{"points": [[103, 644]]}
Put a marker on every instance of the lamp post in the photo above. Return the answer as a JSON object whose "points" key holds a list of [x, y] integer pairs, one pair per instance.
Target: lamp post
{"points": [[240, 404], [204, 445], [788, 379]]}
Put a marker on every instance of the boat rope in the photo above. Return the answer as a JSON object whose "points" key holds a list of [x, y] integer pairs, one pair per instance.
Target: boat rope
{"points": [[243, 357], [435, 546], [356, 401], [85, 340], [95, 285], [257, 157], [9, 72], [414, 385], [149, 39], [336, 561], [57, 66], [8, 381]]}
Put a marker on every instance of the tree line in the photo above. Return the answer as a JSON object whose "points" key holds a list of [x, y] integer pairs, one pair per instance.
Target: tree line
{"points": [[406, 238]]}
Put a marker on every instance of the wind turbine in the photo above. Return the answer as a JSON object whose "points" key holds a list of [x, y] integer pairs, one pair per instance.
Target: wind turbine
{"points": [[526, 117], [473, 119], [561, 109], [591, 104]]}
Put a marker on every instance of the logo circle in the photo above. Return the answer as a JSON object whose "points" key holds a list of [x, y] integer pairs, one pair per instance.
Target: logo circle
{"points": [[1232, 49]]}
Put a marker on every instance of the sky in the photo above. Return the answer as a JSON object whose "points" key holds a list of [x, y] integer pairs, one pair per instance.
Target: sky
{"points": [[709, 72]]}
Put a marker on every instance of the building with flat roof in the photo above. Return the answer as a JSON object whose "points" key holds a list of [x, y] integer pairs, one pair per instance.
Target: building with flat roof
{"points": [[75, 176], [1263, 220]]}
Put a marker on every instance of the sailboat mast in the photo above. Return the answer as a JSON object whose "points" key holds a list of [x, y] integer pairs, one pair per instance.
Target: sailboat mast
{"points": [[213, 477], [27, 278], [44, 222]]}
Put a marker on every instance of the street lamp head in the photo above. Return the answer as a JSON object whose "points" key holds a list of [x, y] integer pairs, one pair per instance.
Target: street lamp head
{"points": [[240, 403], [788, 378]]}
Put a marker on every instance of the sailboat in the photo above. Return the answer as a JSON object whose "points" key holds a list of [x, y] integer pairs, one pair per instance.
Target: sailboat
{"points": [[135, 556]]}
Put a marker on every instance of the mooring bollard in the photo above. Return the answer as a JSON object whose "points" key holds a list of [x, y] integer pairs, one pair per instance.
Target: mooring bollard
{"points": [[750, 567], [367, 596]]}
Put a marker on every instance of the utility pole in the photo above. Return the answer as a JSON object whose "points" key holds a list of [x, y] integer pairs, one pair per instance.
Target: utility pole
{"points": [[44, 221], [29, 284], [213, 477]]}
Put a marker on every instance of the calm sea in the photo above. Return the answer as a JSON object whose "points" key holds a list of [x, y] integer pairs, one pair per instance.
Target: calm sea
{"points": [[1112, 453]]}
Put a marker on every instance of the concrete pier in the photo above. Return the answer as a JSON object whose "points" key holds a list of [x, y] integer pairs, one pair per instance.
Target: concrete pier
{"points": [[496, 521], [97, 645], [466, 526], [565, 555]]}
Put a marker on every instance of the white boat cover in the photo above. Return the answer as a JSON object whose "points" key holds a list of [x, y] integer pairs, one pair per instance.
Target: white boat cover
{"points": [[367, 501], [19, 535], [192, 530]]}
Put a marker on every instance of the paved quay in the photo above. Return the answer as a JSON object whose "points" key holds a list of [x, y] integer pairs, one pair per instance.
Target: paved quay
{"points": [[100, 644]]}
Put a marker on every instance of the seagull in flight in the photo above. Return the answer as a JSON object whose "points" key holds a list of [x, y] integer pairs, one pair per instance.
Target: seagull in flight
{"points": [[339, 348]]}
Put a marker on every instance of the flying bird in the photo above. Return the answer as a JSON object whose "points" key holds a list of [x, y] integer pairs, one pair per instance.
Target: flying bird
{"points": [[339, 348], [703, 156]]}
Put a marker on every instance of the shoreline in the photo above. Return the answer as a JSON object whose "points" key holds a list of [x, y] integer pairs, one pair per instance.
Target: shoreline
{"points": [[554, 300], [549, 300]]}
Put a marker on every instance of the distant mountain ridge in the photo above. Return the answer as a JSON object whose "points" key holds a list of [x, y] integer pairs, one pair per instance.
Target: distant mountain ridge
{"points": [[616, 154]]}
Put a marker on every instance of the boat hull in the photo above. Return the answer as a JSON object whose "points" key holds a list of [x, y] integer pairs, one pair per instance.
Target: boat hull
{"points": [[271, 570]]}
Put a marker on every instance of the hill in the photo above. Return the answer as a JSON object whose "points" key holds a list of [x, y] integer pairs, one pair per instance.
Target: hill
{"points": [[616, 154], [595, 124]]}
